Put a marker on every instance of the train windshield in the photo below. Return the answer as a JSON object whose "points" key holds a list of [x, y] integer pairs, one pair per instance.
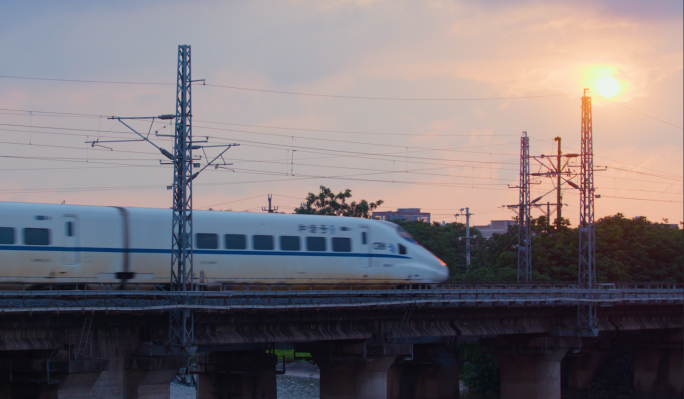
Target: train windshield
{"points": [[405, 234]]}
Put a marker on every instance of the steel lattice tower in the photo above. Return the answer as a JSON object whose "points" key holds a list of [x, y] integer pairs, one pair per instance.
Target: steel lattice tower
{"points": [[181, 331], [524, 210], [586, 314]]}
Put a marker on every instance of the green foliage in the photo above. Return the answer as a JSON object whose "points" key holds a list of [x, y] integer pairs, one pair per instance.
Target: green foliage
{"points": [[328, 203], [288, 355], [479, 368], [626, 250]]}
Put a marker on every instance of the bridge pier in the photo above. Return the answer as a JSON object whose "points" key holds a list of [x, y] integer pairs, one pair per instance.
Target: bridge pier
{"points": [[150, 377], [356, 370], [659, 368], [582, 368], [28, 377], [432, 374], [531, 367], [531, 375], [236, 375]]}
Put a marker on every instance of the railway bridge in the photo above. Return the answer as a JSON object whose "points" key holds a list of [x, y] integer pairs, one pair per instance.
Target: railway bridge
{"points": [[104, 342]]}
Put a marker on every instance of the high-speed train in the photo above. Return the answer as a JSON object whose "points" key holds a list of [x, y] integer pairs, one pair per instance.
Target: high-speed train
{"points": [[67, 244]]}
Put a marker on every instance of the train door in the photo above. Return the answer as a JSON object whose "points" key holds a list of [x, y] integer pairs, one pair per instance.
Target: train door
{"points": [[70, 255], [366, 246]]}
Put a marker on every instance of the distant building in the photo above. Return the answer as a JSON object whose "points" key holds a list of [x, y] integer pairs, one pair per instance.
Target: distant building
{"points": [[495, 227], [667, 225], [407, 214]]}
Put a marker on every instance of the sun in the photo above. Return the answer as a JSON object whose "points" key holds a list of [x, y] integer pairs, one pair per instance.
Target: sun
{"points": [[607, 86]]}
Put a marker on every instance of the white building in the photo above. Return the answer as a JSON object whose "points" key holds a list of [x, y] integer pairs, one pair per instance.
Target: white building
{"points": [[495, 227]]}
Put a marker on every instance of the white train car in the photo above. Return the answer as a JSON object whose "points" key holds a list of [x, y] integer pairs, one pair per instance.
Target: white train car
{"points": [[68, 244]]}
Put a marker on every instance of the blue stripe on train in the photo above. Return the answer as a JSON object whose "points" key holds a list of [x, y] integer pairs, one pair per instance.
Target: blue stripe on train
{"points": [[46, 248]]}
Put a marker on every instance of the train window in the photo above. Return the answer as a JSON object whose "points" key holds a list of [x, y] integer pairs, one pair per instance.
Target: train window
{"points": [[341, 244], [316, 244], [6, 235], [402, 250], [235, 241], [69, 229], [36, 236], [263, 243], [289, 243], [363, 238], [206, 241]]}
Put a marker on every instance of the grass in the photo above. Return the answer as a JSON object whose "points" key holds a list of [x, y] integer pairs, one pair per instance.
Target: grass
{"points": [[288, 355]]}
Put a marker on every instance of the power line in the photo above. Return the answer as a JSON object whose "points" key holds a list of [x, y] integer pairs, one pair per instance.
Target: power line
{"points": [[291, 92], [399, 157], [363, 143], [86, 81], [642, 199], [286, 136], [54, 114], [649, 116], [230, 202], [388, 98], [629, 164], [397, 171], [418, 171], [356, 132]]}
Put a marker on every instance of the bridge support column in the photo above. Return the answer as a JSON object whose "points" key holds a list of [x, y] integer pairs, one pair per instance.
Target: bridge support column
{"points": [[150, 377], [659, 371], [236, 375], [531, 367], [531, 375], [354, 378], [356, 371], [583, 367], [432, 374]]}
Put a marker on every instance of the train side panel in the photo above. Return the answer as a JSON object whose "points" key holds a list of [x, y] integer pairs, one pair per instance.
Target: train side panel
{"points": [[150, 244], [59, 243]]}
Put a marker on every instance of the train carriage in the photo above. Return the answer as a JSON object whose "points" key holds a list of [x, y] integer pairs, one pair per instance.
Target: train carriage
{"points": [[68, 244]]}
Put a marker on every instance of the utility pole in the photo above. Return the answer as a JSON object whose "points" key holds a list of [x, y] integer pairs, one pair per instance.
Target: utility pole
{"points": [[548, 213], [561, 172], [559, 196], [467, 215], [181, 325], [524, 213], [586, 314], [269, 209]]}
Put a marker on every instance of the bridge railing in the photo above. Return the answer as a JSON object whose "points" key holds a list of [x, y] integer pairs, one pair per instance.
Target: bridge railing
{"points": [[234, 287], [466, 294]]}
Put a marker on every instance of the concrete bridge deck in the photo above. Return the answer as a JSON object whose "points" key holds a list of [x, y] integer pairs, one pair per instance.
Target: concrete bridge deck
{"points": [[369, 343]]}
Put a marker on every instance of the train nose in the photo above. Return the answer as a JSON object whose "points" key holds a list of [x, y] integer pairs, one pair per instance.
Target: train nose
{"points": [[440, 268]]}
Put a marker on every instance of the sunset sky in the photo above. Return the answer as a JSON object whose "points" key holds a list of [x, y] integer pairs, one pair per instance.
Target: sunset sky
{"points": [[420, 104]]}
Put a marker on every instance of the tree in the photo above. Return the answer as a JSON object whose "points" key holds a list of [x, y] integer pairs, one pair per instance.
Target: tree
{"points": [[626, 250], [328, 203]]}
